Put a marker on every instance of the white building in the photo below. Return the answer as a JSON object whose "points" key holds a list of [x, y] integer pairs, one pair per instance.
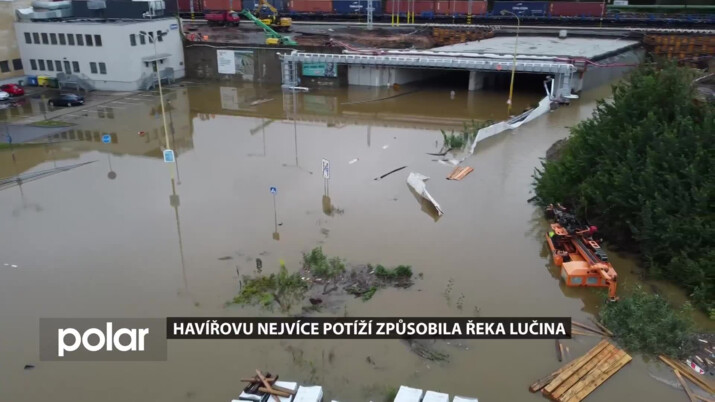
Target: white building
{"points": [[110, 55]]}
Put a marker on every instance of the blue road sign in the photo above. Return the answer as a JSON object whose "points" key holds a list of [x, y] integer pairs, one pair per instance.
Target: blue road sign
{"points": [[106, 138], [174, 27], [274, 190], [168, 156]]}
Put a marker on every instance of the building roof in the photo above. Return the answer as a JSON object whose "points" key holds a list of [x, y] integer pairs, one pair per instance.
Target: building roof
{"points": [[79, 21], [590, 48]]}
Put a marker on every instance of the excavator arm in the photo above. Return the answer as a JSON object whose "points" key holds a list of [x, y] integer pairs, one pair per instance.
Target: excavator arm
{"points": [[270, 32]]}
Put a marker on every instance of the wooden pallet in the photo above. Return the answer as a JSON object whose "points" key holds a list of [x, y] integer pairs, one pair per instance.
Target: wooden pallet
{"points": [[577, 379]]}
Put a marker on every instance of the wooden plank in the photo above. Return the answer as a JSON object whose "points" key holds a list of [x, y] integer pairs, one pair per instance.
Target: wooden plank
{"points": [[559, 355], [577, 332], [597, 377], [685, 386], [274, 392], [460, 172], [567, 373], [605, 356], [688, 372], [584, 326], [542, 382], [266, 384], [603, 327]]}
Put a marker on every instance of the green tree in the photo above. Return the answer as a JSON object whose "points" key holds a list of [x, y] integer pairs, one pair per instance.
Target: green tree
{"points": [[643, 169]]}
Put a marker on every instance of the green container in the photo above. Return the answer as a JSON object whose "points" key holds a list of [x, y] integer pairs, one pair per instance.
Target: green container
{"points": [[52, 82]]}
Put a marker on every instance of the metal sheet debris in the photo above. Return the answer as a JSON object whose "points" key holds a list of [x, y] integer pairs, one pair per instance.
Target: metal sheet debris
{"points": [[417, 182], [460, 172], [407, 394]]}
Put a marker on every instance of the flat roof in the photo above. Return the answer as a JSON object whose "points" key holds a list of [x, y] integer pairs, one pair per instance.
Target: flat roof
{"points": [[590, 48], [82, 21]]}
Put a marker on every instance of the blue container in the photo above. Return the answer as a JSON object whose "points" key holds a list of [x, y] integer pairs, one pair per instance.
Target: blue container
{"points": [[32, 80], [356, 7], [280, 5], [522, 8]]}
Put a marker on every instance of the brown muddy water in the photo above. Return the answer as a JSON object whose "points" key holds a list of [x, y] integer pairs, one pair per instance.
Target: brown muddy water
{"points": [[131, 236]]}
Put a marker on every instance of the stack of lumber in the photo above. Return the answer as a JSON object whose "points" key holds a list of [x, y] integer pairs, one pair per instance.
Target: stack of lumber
{"points": [[260, 385], [680, 46], [577, 379], [583, 329]]}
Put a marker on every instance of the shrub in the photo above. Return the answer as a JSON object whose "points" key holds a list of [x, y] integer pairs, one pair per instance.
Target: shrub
{"points": [[646, 323]]}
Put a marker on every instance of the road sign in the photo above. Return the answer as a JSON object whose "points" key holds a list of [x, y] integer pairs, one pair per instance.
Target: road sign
{"points": [[326, 169], [106, 138], [274, 190], [168, 156], [174, 27]]}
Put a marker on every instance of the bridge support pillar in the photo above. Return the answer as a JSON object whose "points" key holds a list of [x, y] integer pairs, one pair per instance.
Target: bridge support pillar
{"points": [[562, 85], [476, 80], [289, 75]]}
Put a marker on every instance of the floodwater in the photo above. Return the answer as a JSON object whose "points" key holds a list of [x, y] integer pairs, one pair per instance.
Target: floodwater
{"points": [[132, 236]]}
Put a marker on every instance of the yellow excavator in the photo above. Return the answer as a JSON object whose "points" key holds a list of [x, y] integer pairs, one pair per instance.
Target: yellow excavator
{"points": [[270, 16]]}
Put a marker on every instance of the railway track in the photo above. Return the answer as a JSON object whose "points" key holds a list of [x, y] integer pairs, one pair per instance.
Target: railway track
{"points": [[501, 27]]}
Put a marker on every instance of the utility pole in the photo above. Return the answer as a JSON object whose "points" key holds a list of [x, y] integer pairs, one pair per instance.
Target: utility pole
{"points": [[370, 9]]}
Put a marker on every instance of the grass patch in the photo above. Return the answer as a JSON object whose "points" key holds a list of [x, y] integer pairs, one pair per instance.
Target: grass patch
{"points": [[399, 272], [51, 123], [369, 294], [282, 288]]}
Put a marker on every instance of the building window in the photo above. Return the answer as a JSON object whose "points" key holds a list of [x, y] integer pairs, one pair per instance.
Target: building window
{"points": [[159, 36], [97, 40], [33, 64], [36, 38], [58, 65], [17, 64], [80, 41], [63, 40], [75, 66], [4, 66], [70, 39], [41, 63], [93, 67], [133, 39], [88, 40], [102, 68], [45, 39], [53, 39], [28, 38], [591, 281], [50, 66], [142, 39]]}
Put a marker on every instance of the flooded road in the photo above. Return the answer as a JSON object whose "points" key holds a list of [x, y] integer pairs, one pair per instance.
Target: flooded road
{"points": [[132, 236]]}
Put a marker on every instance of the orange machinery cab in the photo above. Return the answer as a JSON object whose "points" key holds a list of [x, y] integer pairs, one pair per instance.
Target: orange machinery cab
{"points": [[581, 264]]}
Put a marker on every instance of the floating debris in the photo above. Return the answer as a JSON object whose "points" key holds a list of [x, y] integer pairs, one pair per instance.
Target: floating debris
{"points": [[353, 161], [460, 172], [29, 366], [226, 258], [258, 102], [390, 172], [417, 182]]}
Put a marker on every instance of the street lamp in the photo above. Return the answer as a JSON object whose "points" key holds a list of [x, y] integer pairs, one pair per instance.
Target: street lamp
{"points": [[513, 66], [158, 75]]}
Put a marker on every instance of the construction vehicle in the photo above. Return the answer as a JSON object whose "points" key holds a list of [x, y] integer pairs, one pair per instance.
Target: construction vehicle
{"points": [[582, 261], [222, 18], [272, 37], [269, 15]]}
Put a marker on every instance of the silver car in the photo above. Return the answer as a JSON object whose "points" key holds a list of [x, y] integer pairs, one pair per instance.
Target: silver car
{"points": [[4, 96]]}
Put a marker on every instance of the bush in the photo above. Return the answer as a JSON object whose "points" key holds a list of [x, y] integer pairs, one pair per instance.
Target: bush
{"points": [[643, 169], [646, 323], [282, 288], [399, 272], [321, 266]]}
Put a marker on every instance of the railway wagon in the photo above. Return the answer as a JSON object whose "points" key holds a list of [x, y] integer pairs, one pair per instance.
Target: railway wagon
{"points": [[356, 7], [568, 9], [428, 9], [222, 5]]}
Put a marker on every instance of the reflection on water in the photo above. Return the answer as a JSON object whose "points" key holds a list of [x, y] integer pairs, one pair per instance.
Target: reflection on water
{"points": [[105, 244]]}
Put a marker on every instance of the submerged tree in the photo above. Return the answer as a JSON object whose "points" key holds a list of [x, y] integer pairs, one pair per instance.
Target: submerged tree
{"points": [[644, 168]]}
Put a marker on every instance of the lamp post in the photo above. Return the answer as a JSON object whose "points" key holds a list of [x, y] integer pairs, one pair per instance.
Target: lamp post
{"points": [[513, 66], [158, 75]]}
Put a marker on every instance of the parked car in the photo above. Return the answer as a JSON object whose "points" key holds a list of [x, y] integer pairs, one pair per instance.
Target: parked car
{"points": [[4, 96], [13, 89], [66, 100]]}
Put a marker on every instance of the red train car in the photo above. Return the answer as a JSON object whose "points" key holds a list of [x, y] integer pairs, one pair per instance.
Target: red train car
{"points": [[222, 5], [311, 6], [568, 9], [185, 6], [400, 7], [459, 7]]}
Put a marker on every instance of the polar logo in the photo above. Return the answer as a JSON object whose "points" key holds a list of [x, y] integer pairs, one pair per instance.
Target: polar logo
{"points": [[93, 339]]}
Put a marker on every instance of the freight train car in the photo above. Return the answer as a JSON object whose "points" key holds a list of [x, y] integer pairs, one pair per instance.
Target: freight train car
{"points": [[222, 5], [522, 8], [569, 9], [356, 7]]}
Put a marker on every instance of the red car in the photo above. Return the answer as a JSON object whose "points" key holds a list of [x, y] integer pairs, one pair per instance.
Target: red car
{"points": [[13, 89]]}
